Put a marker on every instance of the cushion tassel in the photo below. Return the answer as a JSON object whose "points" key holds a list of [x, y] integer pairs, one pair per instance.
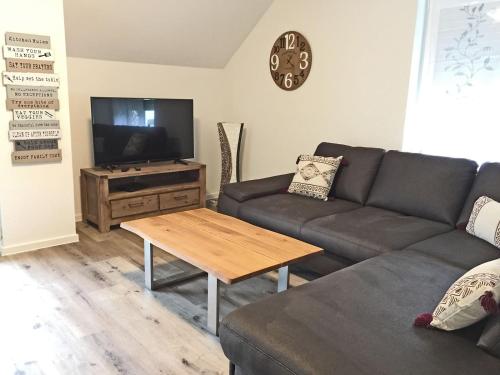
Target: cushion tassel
{"points": [[423, 320], [488, 303]]}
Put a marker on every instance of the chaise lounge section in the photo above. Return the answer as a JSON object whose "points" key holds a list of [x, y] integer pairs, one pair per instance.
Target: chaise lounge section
{"points": [[401, 250]]}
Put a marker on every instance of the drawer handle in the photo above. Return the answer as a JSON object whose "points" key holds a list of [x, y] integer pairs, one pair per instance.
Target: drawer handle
{"points": [[179, 198], [138, 204]]}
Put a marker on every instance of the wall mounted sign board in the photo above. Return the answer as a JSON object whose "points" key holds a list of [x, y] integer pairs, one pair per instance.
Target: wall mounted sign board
{"points": [[32, 95], [30, 125], [36, 144], [30, 53], [32, 103], [34, 114], [33, 66], [31, 92], [21, 135], [30, 79], [36, 156], [27, 40]]}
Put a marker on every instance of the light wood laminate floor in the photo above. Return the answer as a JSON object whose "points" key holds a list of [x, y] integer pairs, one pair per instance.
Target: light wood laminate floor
{"points": [[82, 309]]}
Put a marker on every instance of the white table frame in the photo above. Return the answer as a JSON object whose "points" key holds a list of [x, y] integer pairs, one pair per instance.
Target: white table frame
{"points": [[213, 298]]}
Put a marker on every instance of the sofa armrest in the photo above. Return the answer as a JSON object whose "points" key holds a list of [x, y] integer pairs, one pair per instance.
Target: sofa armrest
{"points": [[243, 191]]}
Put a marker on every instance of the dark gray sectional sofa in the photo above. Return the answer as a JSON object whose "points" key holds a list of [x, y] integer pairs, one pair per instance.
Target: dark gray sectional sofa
{"points": [[393, 233]]}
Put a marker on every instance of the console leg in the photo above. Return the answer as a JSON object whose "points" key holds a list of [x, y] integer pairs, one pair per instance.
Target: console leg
{"points": [[232, 368]]}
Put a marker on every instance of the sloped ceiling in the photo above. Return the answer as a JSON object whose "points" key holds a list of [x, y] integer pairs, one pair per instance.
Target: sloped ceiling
{"points": [[199, 33]]}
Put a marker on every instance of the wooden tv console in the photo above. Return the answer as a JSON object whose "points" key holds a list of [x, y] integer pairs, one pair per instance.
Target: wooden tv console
{"points": [[158, 188]]}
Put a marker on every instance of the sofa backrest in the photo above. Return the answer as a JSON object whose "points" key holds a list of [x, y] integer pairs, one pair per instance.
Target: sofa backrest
{"points": [[357, 172], [487, 182], [431, 187]]}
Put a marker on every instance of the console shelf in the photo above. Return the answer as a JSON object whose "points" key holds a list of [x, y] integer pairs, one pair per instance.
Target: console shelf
{"points": [[159, 188]]}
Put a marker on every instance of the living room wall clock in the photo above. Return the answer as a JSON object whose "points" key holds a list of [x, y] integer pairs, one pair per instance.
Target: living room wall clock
{"points": [[290, 60]]}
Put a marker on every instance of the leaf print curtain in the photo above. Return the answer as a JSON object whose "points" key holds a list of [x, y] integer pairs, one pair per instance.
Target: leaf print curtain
{"points": [[456, 106]]}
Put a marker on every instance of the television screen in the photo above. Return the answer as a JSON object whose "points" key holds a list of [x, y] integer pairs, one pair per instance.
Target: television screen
{"points": [[130, 130]]}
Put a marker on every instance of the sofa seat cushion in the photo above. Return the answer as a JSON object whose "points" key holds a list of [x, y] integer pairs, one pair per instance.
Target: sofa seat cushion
{"points": [[286, 213], [243, 191], [458, 248], [356, 321], [369, 231]]}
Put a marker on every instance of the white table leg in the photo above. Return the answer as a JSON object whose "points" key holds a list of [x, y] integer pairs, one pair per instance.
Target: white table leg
{"points": [[148, 265], [213, 305], [283, 279], [153, 284]]}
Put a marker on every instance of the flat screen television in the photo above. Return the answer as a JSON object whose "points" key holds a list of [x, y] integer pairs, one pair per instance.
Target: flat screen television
{"points": [[134, 130]]}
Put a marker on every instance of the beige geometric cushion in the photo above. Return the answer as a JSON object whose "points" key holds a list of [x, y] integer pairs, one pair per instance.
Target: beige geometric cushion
{"points": [[484, 221], [314, 177], [470, 299]]}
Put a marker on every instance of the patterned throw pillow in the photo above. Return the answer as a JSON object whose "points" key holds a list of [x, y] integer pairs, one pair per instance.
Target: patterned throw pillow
{"points": [[314, 177], [470, 299], [484, 221]]}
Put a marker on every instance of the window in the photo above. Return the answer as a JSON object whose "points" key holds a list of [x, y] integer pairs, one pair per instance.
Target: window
{"points": [[150, 118], [454, 102]]}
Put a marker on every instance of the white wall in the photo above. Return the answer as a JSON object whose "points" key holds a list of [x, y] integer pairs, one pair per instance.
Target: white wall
{"points": [[355, 94], [36, 200], [89, 77]]}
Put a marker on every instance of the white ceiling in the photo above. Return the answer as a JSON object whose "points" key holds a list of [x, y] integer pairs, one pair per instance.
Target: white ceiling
{"points": [[202, 33]]}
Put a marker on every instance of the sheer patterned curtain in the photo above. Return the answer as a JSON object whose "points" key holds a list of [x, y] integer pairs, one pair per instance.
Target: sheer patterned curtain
{"points": [[455, 109]]}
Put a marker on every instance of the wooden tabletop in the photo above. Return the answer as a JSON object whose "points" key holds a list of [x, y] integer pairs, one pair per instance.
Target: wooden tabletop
{"points": [[223, 246]]}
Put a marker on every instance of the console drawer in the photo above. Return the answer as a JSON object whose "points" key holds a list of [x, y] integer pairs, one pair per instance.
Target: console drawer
{"points": [[179, 199], [134, 206]]}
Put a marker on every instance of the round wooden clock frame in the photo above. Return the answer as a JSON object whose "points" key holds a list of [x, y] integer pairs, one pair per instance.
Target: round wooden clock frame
{"points": [[290, 60]]}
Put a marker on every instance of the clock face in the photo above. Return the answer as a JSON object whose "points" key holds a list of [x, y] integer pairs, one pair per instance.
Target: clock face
{"points": [[290, 60]]}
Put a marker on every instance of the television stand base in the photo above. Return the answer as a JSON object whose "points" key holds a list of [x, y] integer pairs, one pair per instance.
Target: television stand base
{"points": [[180, 161], [109, 198]]}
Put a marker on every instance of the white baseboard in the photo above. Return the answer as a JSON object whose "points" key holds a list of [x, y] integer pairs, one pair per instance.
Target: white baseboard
{"points": [[37, 245]]}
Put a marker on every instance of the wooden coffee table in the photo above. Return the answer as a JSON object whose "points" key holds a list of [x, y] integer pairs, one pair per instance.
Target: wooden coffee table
{"points": [[227, 249]]}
